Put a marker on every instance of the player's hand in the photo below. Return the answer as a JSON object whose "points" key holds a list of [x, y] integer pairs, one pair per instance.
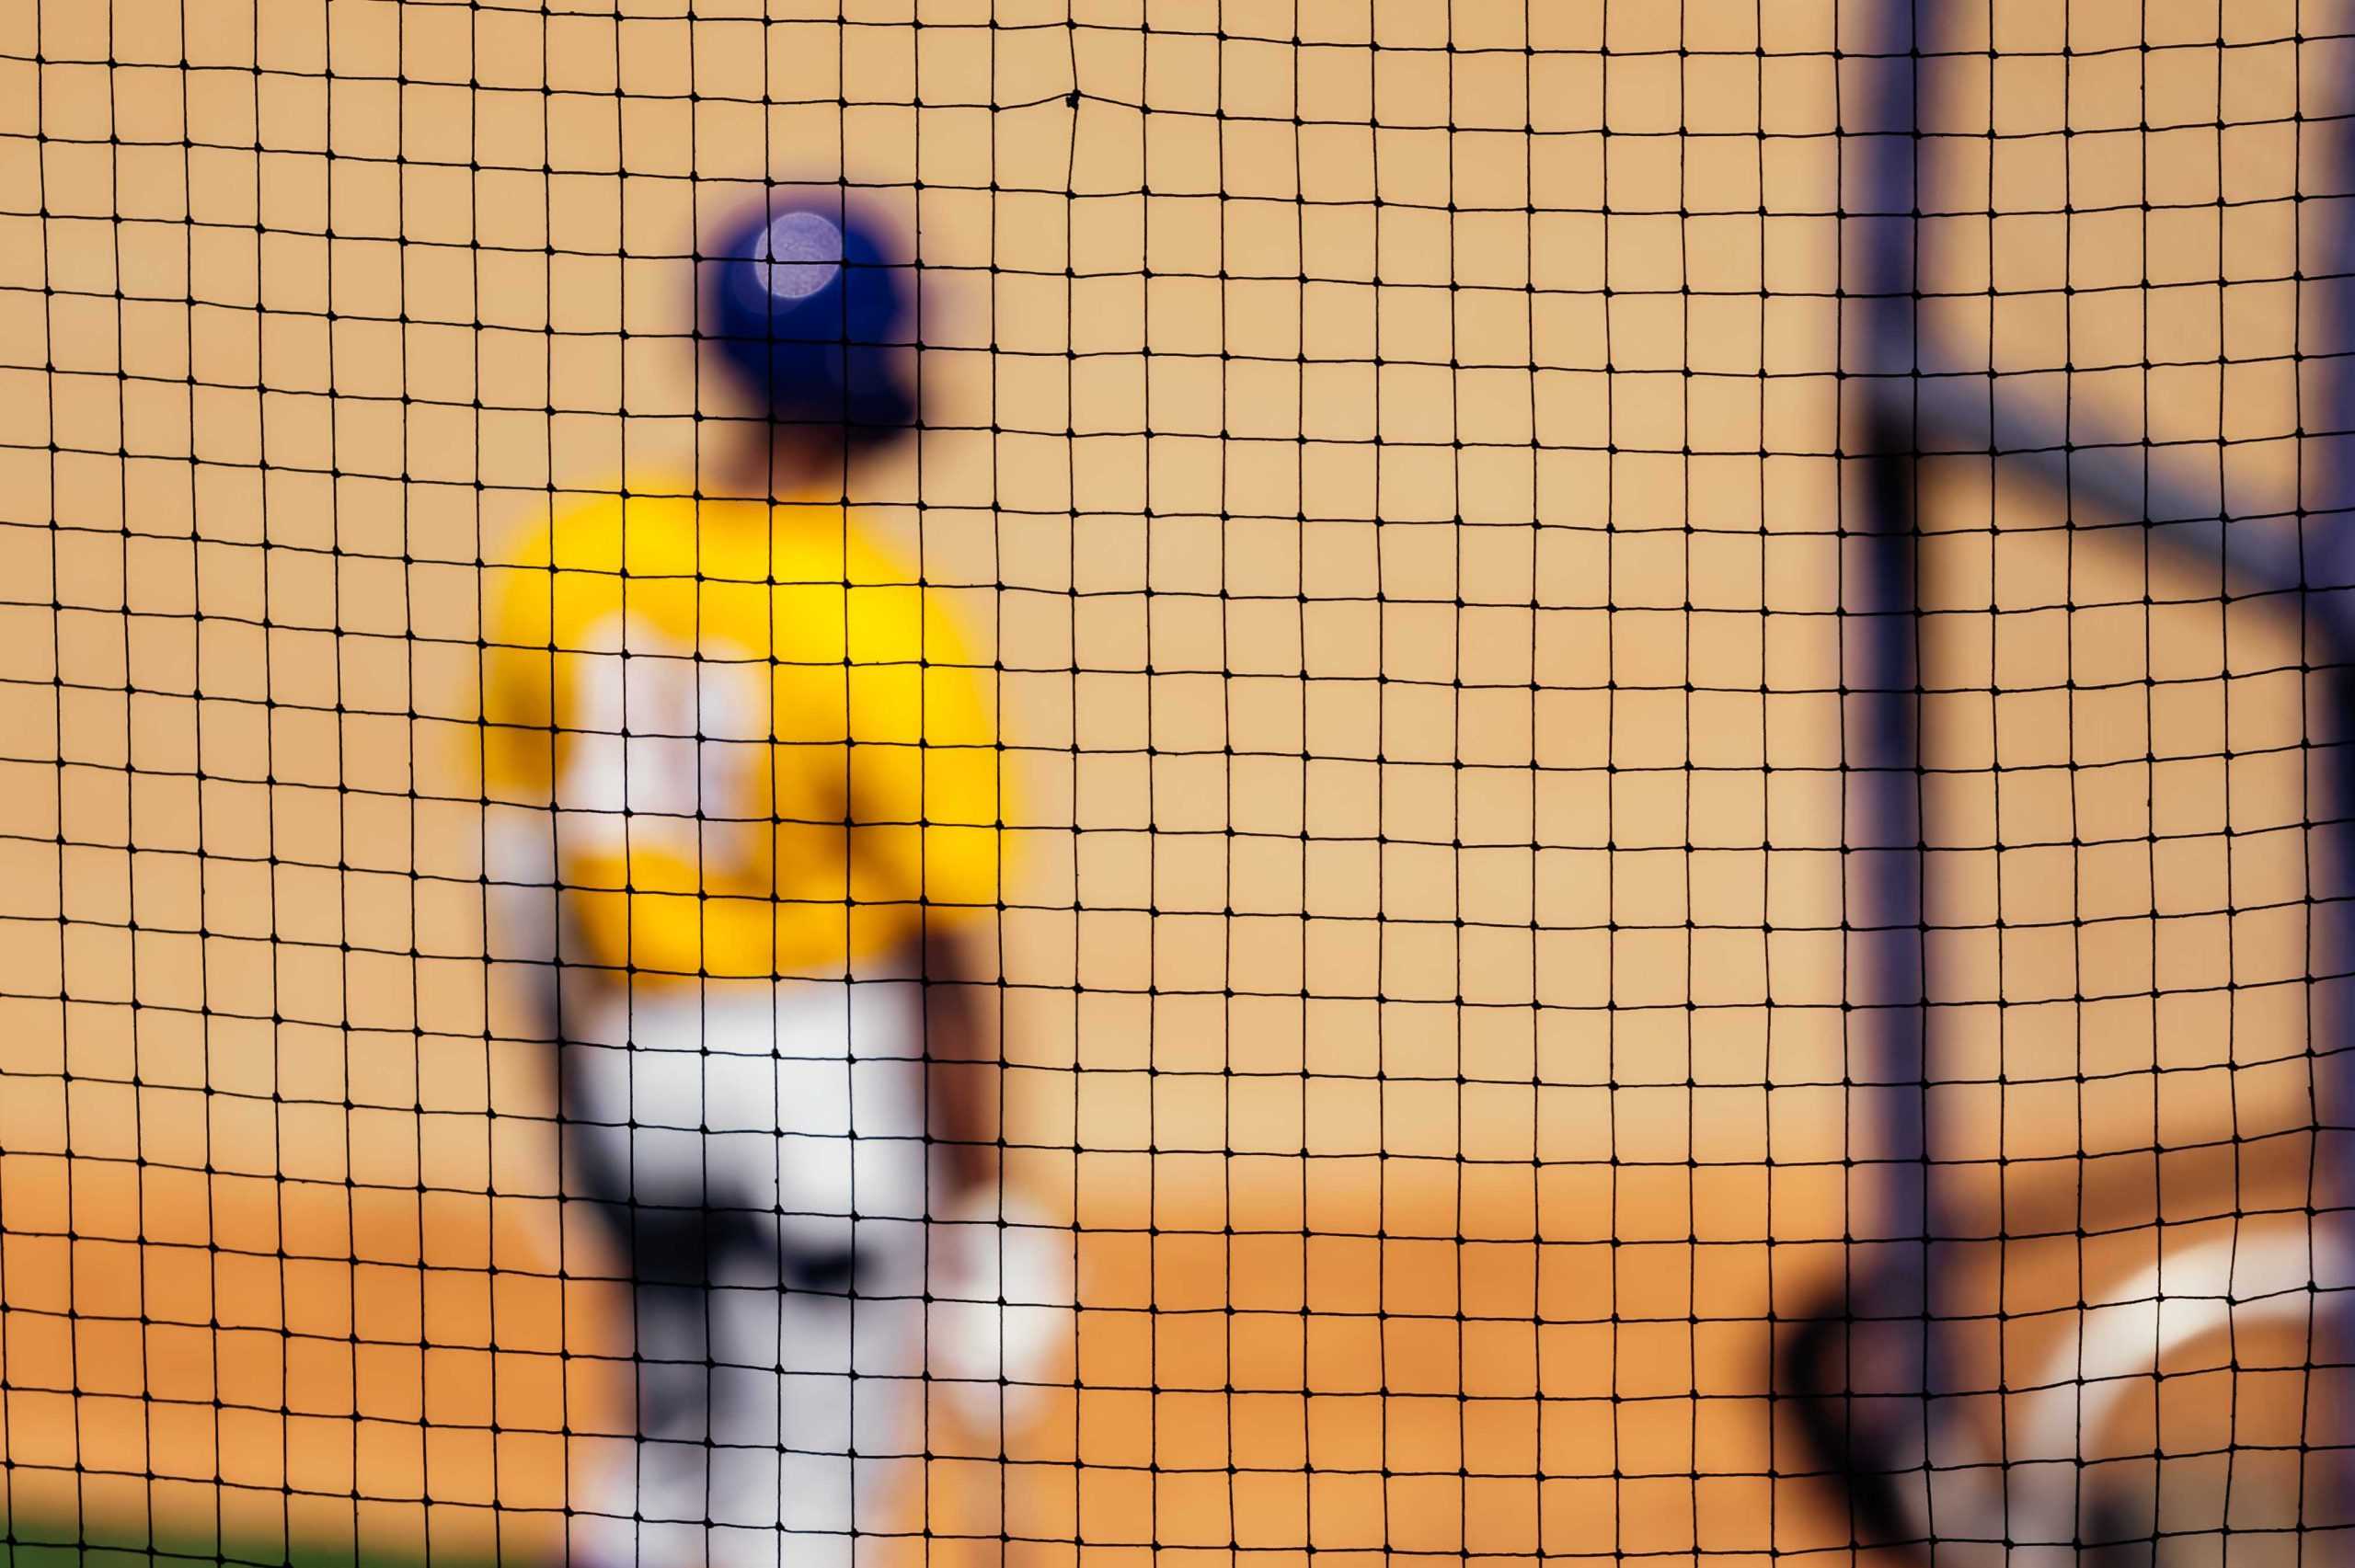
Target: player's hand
{"points": [[1000, 1319]]}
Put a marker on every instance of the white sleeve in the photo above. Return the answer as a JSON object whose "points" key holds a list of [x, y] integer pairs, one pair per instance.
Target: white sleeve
{"points": [[519, 876]]}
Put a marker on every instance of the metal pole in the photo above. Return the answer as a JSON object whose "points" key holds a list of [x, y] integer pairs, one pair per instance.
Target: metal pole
{"points": [[1863, 1378], [1871, 1414], [1881, 743]]}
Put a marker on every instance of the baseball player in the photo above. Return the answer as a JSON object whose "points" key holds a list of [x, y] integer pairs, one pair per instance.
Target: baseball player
{"points": [[743, 798]]}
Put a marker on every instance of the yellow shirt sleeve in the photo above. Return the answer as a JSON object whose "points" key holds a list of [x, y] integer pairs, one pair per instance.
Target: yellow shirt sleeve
{"points": [[925, 770], [881, 797], [518, 676]]}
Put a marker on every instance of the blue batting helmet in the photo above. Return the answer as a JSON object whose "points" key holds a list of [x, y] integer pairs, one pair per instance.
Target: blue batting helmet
{"points": [[804, 304]]}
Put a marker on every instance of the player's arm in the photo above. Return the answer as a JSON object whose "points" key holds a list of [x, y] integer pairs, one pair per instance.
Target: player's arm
{"points": [[962, 1059], [926, 805], [519, 743]]}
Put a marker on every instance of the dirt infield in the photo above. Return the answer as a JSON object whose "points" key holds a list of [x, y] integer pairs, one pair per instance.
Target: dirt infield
{"points": [[1630, 1377]]}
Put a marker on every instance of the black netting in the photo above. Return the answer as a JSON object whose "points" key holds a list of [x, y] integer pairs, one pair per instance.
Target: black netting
{"points": [[1603, 745]]}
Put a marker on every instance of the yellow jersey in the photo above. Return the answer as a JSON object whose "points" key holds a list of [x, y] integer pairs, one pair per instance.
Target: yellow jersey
{"points": [[767, 749]]}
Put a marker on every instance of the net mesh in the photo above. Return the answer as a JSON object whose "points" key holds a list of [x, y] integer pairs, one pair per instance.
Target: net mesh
{"points": [[1418, 475]]}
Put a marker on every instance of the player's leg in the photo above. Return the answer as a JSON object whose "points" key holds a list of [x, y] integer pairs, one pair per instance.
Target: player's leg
{"points": [[817, 1416], [778, 1260], [853, 1165], [636, 1153], [966, 1287], [815, 1423], [764, 1148]]}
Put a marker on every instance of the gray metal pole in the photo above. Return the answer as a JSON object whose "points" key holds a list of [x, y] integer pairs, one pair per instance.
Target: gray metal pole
{"points": [[1865, 1378], [1881, 743], [1884, 1390]]}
